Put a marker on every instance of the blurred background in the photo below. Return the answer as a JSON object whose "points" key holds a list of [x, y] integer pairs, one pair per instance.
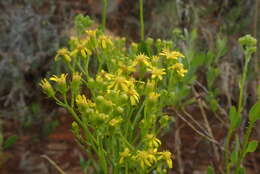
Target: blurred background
{"points": [[31, 31]]}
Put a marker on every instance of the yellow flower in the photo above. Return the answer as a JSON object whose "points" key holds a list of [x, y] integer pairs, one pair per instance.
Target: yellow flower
{"points": [[82, 50], [155, 59], [104, 75], [61, 82], [91, 33], [179, 69], [133, 95], [101, 116], [120, 83], [171, 54], [153, 96], [63, 52], [47, 88], [123, 68], [126, 153], [76, 77], [167, 156], [141, 59], [146, 158], [157, 72], [152, 141], [104, 41], [115, 121], [82, 101]]}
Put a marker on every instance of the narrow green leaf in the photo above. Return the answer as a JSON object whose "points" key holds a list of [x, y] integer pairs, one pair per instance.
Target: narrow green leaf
{"points": [[210, 170], [254, 113], [252, 146], [234, 118]]}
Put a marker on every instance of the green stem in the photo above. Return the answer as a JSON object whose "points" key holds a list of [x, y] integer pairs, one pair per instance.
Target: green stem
{"points": [[126, 141], [244, 147], [104, 13], [227, 152], [242, 85], [1, 137], [137, 117], [141, 19]]}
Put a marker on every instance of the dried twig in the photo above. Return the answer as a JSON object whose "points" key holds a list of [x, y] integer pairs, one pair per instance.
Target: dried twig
{"points": [[178, 148], [223, 111], [53, 164], [207, 125], [196, 130]]}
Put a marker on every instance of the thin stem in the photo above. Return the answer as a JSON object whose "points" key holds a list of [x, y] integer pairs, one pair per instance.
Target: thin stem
{"points": [[104, 13], [244, 147], [242, 86], [255, 29], [227, 152], [53, 164], [141, 20]]}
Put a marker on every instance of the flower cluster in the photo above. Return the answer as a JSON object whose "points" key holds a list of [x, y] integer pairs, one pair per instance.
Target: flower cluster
{"points": [[116, 96]]}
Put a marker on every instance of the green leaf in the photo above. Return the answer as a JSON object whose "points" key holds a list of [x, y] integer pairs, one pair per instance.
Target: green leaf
{"points": [[210, 170], [252, 146], [234, 156], [254, 113], [10, 141], [234, 118], [241, 170]]}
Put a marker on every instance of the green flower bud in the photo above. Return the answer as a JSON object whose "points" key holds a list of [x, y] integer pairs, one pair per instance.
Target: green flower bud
{"points": [[149, 41], [100, 98], [120, 109], [247, 41]]}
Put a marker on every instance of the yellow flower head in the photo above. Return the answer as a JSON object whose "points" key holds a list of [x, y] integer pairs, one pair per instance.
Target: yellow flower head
{"points": [[153, 96], [91, 33], [178, 67], [47, 88], [146, 158], [82, 50], [101, 116], [155, 59], [104, 76], [141, 59], [152, 141], [120, 83], [133, 96], [76, 77], [125, 154], [123, 68], [157, 72], [171, 54], [115, 121], [82, 101], [104, 41], [63, 52], [61, 82], [167, 156]]}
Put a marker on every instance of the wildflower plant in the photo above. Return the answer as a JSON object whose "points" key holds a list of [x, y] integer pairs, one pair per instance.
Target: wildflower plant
{"points": [[235, 154], [116, 95]]}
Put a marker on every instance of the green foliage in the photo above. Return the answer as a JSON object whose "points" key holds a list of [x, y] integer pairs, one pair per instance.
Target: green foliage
{"points": [[254, 113], [116, 95], [240, 149], [10, 141], [81, 23], [210, 170]]}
